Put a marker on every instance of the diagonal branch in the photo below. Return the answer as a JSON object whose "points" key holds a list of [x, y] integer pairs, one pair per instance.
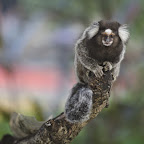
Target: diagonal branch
{"points": [[58, 130]]}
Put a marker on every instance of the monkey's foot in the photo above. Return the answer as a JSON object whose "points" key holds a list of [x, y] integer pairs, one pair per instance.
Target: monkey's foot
{"points": [[107, 66]]}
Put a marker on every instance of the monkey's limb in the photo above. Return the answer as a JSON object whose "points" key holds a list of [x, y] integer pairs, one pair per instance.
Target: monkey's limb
{"points": [[60, 131], [88, 62]]}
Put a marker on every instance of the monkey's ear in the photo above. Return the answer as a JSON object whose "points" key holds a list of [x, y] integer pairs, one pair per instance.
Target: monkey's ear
{"points": [[90, 31], [93, 30], [124, 33]]}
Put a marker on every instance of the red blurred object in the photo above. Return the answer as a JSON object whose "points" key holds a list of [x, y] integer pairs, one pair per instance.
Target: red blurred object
{"points": [[31, 78]]}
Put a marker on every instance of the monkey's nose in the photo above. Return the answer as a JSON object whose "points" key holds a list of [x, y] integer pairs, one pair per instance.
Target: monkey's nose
{"points": [[108, 40]]}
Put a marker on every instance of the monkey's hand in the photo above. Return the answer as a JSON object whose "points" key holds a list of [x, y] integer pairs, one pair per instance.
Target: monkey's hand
{"points": [[107, 66], [98, 71]]}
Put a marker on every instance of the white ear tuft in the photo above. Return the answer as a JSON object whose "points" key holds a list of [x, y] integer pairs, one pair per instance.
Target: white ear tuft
{"points": [[124, 33], [92, 31]]}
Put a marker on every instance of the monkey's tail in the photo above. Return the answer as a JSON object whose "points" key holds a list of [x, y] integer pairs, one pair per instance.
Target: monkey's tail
{"points": [[79, 103]]}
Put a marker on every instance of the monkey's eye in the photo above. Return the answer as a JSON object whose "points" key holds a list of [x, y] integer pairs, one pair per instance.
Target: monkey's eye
{"points": [[111, 36]]}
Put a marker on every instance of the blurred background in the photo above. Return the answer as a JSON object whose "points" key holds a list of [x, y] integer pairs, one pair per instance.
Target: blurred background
{"points": [[37, 39]]}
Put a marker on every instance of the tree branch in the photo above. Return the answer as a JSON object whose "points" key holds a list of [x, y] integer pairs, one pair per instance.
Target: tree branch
{"points": [[58, 130]]}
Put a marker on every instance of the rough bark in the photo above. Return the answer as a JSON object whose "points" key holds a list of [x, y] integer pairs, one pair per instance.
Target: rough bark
{"points": [[58, 130]]}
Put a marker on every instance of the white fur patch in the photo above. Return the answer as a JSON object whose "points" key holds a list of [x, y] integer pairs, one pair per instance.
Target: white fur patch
{"points": [[108, 31], [93, 31], [123, 33], [107, 44]]}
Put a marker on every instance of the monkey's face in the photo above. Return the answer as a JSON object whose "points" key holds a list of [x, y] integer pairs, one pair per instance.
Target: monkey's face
{"points": [[107, 37]]}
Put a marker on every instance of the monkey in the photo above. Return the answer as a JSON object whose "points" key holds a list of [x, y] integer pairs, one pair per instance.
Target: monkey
{"points": [[100, 48]]}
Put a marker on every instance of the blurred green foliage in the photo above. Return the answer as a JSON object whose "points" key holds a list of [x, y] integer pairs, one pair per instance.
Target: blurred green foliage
{"points": [[121, 124], [4, 128]]}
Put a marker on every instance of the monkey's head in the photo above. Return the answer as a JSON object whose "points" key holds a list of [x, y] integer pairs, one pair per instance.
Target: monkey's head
{"points": [[108, 33]]}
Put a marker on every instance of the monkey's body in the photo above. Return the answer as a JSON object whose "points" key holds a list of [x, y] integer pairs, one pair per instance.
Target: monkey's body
{"points": [[100, 48], [92, 53], [100, 54]]}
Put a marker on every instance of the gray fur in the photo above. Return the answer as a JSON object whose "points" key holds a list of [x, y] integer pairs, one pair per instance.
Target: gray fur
{"points": [[79, 104]]}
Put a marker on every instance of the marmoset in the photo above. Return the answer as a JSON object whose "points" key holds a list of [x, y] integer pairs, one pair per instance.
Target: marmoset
{"points": [[100, 48]]}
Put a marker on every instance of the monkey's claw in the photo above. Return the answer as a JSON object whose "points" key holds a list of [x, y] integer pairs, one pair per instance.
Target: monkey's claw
{"points": [[107, 66]]}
